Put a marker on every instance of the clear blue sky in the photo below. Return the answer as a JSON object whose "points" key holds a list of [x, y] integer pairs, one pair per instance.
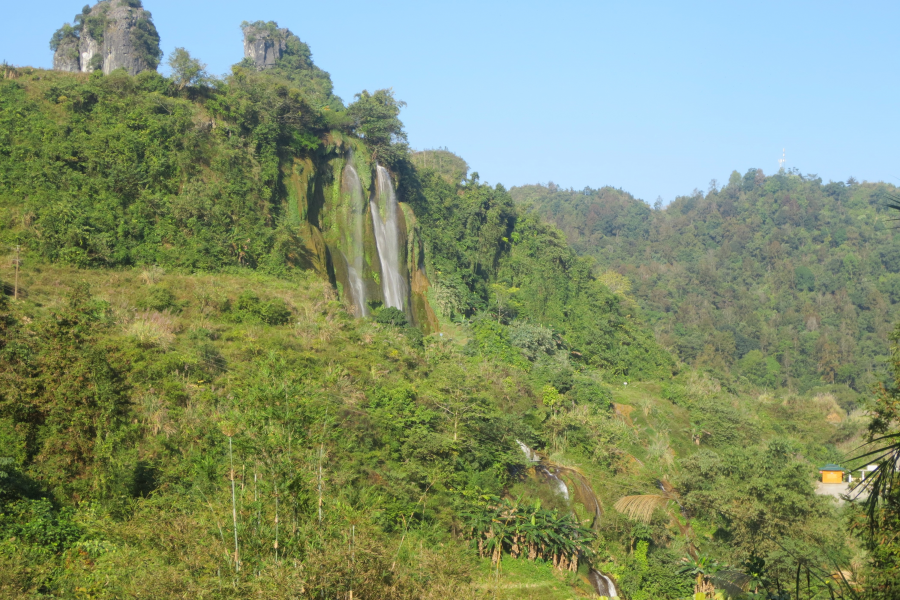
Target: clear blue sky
{"points": [[657, 98]]}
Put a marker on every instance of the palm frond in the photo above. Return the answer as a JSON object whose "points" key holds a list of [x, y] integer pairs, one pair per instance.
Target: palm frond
{"points": [[641, 507], [883, 480]]}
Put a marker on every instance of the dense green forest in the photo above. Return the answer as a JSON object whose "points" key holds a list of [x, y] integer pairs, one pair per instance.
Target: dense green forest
{"points": [[777, 280], [191, 407]]}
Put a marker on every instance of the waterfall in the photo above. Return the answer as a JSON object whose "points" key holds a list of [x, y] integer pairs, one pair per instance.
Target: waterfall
{"points": [[355, 262], [387, 238], [549, 474], [561, 486], [603, 585], [530, 454]]}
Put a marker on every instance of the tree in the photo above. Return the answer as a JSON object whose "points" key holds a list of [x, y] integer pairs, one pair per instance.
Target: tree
{"points": [[763, 501], [66, 32], [881, 509], [804, 279], [187, 71], [376, 118]]}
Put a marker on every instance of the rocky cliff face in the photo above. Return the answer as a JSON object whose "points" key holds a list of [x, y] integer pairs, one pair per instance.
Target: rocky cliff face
{"points": [[322, 208], [67, 56], [113, 34], [264, 45]]}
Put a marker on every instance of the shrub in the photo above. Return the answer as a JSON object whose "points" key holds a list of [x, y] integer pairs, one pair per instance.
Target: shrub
{"points": [[39, 523], [448, 299], [250, 308], [96, 62], [153, 329], [64, 33], [158, 299], [587, 391], [391, 316], [555, 371], [533, 340], [145, 39]]}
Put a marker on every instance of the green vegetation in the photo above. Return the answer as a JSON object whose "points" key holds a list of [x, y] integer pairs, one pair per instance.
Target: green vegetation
{"points": [[530, 531], [295, 66], [186, 70], [376, 119], [877, 522], [66, 33], [772, 281], [512, 269], [182, 387], [450, 166], [145, 38], [93, 22], [411, 440]]}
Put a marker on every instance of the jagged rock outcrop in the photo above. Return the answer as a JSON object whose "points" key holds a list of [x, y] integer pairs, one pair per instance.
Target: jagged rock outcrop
{"points": [[264, 44], [268, 47], [113, 34], [67, 56]]}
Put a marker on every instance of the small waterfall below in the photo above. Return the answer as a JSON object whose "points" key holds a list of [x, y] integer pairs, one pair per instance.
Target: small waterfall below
{"points": [[387, 238], [603, 585], [555, 479], [530, 454], [583, 493], [352, 184]]}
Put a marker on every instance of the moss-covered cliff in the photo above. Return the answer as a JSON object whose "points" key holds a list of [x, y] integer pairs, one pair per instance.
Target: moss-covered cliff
{"points": [[337, 226]]}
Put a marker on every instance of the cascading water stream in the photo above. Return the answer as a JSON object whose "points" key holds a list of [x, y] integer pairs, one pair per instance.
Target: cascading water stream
{"points": [[603, 584], [387, 238], [561, 486], [530, 454], [355, 262]]}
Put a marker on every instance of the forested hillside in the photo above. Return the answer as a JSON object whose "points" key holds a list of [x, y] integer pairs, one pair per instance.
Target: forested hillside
{"points": [[778, 280], [206, 392]]}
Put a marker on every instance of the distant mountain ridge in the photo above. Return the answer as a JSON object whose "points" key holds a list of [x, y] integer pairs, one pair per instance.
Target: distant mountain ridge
{"points": [[783, 280]]}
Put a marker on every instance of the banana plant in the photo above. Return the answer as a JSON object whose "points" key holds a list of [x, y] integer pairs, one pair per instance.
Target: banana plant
{"points": [[512, 526]]}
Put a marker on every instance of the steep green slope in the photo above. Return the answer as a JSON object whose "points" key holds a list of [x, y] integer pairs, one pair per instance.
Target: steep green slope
{"points": [[110, 171], [117, 171], [782, 280], [185, 387], [516, 276], [130, 399]]}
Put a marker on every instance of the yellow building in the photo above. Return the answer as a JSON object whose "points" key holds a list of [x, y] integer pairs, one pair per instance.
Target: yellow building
{"points": [[832, 474]]}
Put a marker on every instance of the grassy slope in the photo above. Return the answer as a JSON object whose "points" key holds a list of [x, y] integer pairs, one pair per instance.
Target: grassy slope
{"points": [[174, 532]]}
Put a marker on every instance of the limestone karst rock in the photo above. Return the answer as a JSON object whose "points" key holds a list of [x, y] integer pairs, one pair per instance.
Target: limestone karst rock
{"points": [[264, 44], [268, 47], [67, 56], [113, 34]]}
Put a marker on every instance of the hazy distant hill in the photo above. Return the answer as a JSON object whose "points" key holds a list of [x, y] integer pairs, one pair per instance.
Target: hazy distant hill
{"points": [[784, 280]]}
